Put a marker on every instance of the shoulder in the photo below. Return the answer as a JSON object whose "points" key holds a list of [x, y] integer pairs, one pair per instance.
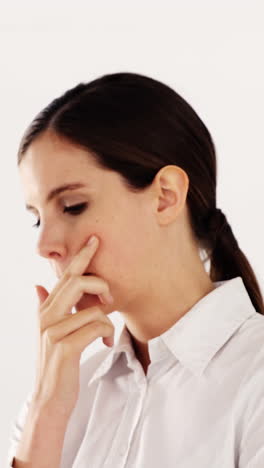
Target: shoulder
{"points": [[249, 413], [250, 396], [250, 336]]}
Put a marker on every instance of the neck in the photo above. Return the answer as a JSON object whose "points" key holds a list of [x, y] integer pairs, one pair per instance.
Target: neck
{"points": [[163, 309]]}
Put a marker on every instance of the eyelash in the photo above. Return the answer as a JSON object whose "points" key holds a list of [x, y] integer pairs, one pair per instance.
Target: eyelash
{"points": [[73, 210]]}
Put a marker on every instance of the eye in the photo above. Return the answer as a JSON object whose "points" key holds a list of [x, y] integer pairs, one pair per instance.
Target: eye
{"points": [[73, 210]]}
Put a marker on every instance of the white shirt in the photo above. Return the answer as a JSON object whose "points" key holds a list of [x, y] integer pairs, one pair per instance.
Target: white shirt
{"points": [[201, 404]]}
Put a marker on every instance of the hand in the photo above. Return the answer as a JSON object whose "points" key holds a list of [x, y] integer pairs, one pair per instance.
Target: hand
{"points": [[63, 336]]}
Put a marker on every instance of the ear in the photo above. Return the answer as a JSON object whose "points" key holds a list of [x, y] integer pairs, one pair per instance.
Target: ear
{"points": [[171, 184]]}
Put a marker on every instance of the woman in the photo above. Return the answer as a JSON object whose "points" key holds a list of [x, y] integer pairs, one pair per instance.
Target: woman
{"points": [[125, 158]]}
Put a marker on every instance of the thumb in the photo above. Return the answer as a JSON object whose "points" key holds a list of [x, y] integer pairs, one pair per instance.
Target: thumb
{"points": [[42, 293]]}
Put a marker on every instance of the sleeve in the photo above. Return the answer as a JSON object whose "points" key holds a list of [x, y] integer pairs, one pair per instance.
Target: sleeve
{"points": [[251, 423], [16, 429]]}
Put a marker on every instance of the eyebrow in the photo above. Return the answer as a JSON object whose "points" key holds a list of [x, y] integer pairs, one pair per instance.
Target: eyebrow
{"points": [[56, 191]]}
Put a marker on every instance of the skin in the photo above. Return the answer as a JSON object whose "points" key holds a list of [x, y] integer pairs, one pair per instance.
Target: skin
{"points": [[147, 253]]}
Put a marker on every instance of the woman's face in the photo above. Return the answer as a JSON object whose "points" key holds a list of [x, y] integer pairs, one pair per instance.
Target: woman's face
{"points": [[123, 221]]}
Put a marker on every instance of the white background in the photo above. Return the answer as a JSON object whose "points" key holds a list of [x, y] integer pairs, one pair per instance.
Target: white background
{"points": [[211, 52]]}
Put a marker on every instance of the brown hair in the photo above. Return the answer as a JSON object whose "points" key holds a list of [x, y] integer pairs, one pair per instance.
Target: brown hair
{"points": [[135, 125]]}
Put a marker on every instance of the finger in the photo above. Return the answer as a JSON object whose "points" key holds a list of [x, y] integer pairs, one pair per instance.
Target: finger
{"points": [[61, 329], [77, 266], [42, 294], [82, 260], [76, 342], [71, 292], [109, 340]]}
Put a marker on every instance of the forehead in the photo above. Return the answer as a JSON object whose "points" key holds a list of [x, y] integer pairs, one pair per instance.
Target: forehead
{"points": [[51, 156], [50, 161]]}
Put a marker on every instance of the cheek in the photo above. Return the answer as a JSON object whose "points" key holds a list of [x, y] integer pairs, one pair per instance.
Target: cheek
{"points": [[118, 257], [127, 255], [126, 249], [115, 254]]}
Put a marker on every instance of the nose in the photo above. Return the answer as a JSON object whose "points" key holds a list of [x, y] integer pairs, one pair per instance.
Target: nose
{"points": [[55, 252], [51, 245]]}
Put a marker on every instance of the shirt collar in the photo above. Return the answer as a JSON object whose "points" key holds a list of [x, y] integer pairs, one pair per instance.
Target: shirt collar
{"points": [[197, 336]]}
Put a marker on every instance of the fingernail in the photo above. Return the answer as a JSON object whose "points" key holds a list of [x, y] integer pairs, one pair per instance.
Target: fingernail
{"points": [[91, 240]]}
